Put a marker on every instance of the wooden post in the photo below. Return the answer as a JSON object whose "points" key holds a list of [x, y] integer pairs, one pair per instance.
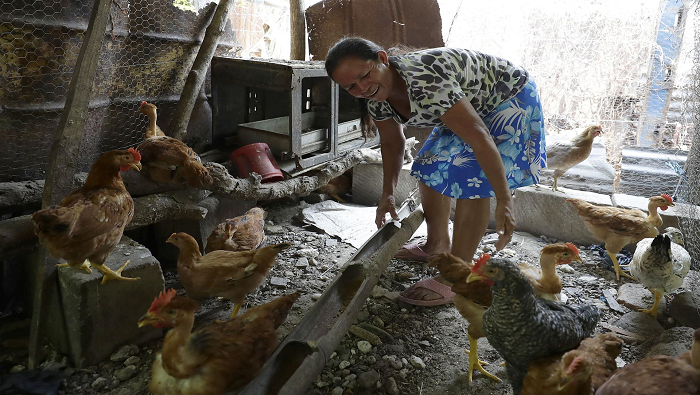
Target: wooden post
{"points": [[196, 77], [298, 30], [63, 161]]}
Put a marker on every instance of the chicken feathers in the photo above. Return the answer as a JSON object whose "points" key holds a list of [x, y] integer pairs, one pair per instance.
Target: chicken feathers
{"points": [[242, 233], [561, 156]]}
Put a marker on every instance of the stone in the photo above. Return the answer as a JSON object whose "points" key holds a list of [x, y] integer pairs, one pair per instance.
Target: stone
{"points": [[17, 368], [316, 296], [673, 342], [97, 319], [417, 362], [685, 308], [367, 181], [337, 391], [641, 324], [133, 360], [99, 383], [307, 252], [124, 353], [636, 296], [391, 387], [126, 373], [424, 343], [364, 346], [369, 378], [330, 242], [566, 269], [302, 263], [394, 361], [344, 364], [279, 282], [587, 279], [274, 230]]}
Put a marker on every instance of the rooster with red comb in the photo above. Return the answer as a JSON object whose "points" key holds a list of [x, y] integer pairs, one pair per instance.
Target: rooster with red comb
{"points": [[522, 327], [86, 226]]}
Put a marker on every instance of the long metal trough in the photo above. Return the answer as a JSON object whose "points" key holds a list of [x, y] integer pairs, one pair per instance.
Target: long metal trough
{"points": [[302, 355]]}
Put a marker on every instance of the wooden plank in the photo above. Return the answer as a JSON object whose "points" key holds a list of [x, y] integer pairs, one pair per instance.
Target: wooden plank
{"points": [[63, 162], [196, 77], [297, 25]]}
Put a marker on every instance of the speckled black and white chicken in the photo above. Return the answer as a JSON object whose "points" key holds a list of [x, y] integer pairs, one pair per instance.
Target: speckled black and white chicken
{"points": [[522, 327], [660, 264]]}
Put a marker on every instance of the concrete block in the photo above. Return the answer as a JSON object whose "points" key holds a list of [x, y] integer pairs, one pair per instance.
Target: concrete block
{"points": [[541, 211], [367, 181], [98, 319]]}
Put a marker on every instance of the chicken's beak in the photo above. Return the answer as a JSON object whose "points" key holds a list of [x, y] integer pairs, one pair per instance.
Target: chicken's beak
{"points": [[577, 259], [475, 277], [136, 165], [563, 382], [148, 319], [170, 239]]}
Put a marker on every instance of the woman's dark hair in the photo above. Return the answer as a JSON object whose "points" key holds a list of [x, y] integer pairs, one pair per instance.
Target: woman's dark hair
{"points": [[360, 48]]}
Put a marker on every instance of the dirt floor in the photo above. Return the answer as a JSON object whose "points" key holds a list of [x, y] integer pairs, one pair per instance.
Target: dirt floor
{"points": [[425, 353]]}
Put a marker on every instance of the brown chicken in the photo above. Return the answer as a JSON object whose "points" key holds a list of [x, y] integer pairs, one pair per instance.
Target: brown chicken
{"points": [[168, 160], [242, 233], [561, 156], [659, 374], [336, 187], [617, 227], [231, 275], [215, 358], [472, 300], [149, 110], [577, 372], [545, 279], [86, 226]]}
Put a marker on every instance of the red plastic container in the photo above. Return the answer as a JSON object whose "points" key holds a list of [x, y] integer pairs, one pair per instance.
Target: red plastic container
{"points": [[257, 158]]}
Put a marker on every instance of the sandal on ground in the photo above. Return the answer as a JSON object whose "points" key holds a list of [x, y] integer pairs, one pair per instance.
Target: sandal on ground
{"points": [[413, 251], [433, 285]]}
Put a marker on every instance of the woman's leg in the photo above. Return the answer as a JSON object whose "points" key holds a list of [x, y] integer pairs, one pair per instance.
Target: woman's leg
{"points": [[436, 208], [470, 223]]}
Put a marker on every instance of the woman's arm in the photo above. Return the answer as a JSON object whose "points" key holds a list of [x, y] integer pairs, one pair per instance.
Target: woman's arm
{"points": [[463, 120], [393, 144]]}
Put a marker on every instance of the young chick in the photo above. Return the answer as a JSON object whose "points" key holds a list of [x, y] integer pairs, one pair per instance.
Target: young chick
{"points": [[660, 265], [659, 374], [545, 279], [562, 156], [617, 226], [242, 233], [231, 275], [577, 372], [214, 358], [522, 327]]}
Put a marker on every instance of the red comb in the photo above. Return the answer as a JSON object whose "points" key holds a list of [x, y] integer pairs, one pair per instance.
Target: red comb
{"points": [[143, 103], [162, 299], [480, 262], [667, 197], [572, 247], [135, 153], [574, 365]]}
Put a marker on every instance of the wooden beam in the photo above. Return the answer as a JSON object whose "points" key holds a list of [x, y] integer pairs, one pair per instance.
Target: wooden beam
{"points": [[298, 30], [195, 79], [63, 161]]}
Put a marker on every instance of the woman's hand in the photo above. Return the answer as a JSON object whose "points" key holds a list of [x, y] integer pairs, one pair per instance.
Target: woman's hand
{"points": [[386, 205], [505, 223]]}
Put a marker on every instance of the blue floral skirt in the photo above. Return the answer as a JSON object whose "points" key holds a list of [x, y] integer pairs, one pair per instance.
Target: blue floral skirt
{"points": [[447, 164]]}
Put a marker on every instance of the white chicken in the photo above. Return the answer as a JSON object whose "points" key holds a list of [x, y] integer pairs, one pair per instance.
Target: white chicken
{"points": [[660, 264]]}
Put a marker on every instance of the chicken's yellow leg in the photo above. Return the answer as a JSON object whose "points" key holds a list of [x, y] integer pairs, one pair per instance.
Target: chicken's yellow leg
{"points": [[108, 274], [474, 360], [83, 266], [554, 187], [618, 270], [654, 310], [236, 307]]}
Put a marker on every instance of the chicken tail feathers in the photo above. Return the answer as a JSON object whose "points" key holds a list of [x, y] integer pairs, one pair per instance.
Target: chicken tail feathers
{"points": [[661, 245], [276, 310], [196, 174], [588, 316], [56, 220], [265, 257]]}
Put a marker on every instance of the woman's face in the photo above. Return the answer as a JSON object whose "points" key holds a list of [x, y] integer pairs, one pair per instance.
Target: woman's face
{"points": [[367, 79]]}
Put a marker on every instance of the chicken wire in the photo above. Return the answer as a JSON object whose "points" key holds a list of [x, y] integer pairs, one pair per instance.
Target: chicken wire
{"points": [[688, 192], [147, 51]]}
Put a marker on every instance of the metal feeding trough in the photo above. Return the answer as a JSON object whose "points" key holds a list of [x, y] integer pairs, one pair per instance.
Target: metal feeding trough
{"points": [[304, 352]]}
